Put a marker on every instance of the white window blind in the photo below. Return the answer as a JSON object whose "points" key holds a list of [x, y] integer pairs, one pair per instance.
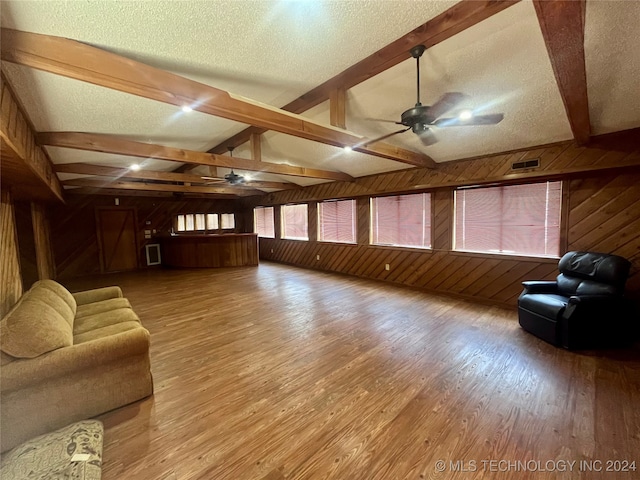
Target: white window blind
{"points": [[401, 220], [337, 221], [511, 219], [199, 221], [181, 223], [227, 221], [212, 221], [264, 222], [294, 222]]}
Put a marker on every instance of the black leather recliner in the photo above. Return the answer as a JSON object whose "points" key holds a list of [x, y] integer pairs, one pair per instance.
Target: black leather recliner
{"points": [[585, 307]]}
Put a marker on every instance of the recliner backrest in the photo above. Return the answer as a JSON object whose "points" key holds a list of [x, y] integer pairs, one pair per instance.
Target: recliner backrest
{"points": [[591, 273]]}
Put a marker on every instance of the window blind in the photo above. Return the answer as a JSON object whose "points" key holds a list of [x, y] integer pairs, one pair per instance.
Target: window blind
{"points": [[264, 222], [337, 221], [510, 219], [294, 222], [401, 220]]}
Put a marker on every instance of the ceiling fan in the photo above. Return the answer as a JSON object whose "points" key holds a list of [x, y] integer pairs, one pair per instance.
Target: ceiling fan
{"points": [[421, 118], [230, 178]]}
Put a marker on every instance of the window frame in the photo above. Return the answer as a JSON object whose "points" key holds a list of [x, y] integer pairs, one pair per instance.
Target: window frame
{"points": [[427, 214], [511, 254], [354, 221], [283, 223], [273, 220]]}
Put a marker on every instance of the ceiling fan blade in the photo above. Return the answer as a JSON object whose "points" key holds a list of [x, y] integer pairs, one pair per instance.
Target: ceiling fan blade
{"points": [[445, 103], [491, 119], [384, 120], [427, 137], [385, 136]]}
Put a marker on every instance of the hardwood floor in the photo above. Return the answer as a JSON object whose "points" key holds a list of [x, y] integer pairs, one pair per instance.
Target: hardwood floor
{"points": [[275, 372]]}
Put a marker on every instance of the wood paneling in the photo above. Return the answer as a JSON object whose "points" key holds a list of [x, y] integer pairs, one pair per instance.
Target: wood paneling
{"points": [[210, 251], [117, 238], [275, 373], [602, 214], [73, 227], [10, 281], [26, 169], [42, 241]]}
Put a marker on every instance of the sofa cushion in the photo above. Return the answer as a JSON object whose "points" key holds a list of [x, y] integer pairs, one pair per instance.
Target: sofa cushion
{"points": [[108, 331], [33, 327], [61, 291], [104, 319], [100, 307], [51, 298]]}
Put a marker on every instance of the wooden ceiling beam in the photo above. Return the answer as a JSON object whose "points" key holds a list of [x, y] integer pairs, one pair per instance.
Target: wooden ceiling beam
{"points": [[114, 172], [337, 107], [86, 63], [139, 193], [109, 144], [157, 187], [461, 16], [255, 143], [562, 25]]}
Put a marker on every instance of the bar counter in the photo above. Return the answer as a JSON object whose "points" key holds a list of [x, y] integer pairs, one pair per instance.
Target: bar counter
{"points": [[210, 251]]}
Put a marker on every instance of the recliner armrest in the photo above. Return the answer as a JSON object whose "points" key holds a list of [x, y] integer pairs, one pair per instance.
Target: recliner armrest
{"points": [[540, 286]]}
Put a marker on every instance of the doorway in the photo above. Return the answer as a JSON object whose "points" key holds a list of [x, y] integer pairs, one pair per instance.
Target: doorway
{"points": [[117, 240]]}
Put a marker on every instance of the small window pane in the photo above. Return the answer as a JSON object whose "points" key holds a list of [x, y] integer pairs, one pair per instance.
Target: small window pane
{"points": [[181, 224], [199, 221], [212, 221], [227, 221], [190, 223]]}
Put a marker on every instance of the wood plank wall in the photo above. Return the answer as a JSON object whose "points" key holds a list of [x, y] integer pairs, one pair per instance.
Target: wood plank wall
{"points": [[24, 159], [73, 226], [603, 214], [10, 281]]}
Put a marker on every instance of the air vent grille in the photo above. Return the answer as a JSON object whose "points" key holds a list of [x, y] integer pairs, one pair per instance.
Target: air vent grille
{"points": [[535, 163]]}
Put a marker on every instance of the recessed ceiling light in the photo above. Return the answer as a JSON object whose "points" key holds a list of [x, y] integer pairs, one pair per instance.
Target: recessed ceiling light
{"points": [[347, 148], [186, 108], [134, 166], [465, 115]]}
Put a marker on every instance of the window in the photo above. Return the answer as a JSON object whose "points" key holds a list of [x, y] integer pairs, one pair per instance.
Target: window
{"points": [[227, 221], [194, 222], [337, 221], [212, 221], [263, 222], [401, 220], [294, 222], [510, 219]]}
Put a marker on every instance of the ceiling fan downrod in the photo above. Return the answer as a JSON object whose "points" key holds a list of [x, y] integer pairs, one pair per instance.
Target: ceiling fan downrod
{"points": [[416, 52]]}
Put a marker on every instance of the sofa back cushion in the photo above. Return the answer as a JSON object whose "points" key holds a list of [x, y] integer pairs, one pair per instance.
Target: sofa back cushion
{"points": [[65, 295], [41, 321]]}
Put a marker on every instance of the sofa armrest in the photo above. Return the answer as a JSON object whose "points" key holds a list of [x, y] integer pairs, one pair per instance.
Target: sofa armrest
{"points": [[540, 286], [97, 295], [22, 373]]}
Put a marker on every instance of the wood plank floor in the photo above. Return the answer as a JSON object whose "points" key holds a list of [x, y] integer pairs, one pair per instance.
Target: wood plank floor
{"points": [[275, 372]]}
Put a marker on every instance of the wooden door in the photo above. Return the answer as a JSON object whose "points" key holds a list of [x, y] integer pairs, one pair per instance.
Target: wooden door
{"points": [[117, 239]]}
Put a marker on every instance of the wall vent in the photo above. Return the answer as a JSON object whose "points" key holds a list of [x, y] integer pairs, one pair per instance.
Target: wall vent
{"points": [[535, 163]]}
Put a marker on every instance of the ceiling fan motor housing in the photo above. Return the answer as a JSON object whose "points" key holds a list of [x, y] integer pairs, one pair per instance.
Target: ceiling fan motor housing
{"points": [[416, 115]]}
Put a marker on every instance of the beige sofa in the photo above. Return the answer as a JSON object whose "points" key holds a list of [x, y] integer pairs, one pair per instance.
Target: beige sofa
{"points": [[68, 357]]}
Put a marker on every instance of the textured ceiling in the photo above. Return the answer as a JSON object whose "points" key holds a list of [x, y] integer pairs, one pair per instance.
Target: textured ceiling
{"points": [[274, 51]]}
